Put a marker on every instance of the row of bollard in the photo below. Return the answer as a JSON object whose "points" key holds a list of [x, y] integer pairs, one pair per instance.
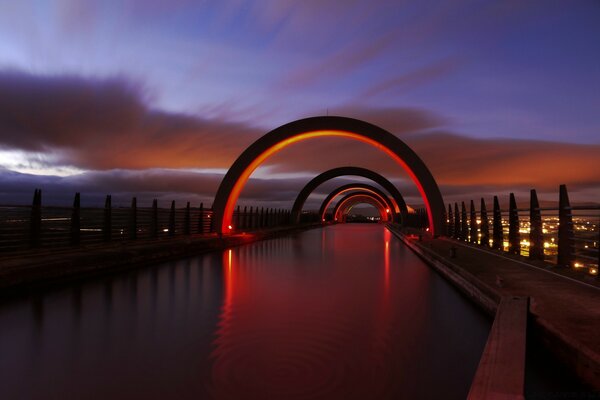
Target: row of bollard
{"points": [[462, 228], [255, 219], [251, 219]]}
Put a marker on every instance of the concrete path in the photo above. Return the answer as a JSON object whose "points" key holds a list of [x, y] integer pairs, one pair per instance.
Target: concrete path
{"points": [[566, 312]]}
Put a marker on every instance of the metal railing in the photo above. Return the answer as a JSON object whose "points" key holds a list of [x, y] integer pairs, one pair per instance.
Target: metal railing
{"points": [[564, 236], [56, 228]]}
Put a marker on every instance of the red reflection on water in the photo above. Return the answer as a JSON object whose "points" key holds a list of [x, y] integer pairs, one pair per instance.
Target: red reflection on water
{"points": [[343, 314], [304, 330]]}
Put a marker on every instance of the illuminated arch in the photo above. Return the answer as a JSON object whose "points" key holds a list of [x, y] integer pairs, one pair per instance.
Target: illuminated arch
{"points": [[389, 204], [349, 171], [347, 202], [304, 129]]}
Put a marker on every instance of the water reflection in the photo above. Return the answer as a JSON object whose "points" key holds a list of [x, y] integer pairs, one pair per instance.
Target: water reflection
{"points": [[345, 323], [343, 312]]}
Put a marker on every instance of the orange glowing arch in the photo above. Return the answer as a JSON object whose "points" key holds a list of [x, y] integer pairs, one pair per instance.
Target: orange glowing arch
{"points": [[383, 198], [347, 202], [315, 127]]}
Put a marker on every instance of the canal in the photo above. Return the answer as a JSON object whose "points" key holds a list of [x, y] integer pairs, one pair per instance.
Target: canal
{"points": [[344, 312]]}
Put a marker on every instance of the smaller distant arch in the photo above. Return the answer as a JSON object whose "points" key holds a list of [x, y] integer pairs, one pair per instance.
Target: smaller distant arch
{"points": [[349, 171], [352, 199], [363, 187]]}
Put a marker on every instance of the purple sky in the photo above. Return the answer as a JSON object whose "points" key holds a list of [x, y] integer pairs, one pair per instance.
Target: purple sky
{"points": [[157, 98]]}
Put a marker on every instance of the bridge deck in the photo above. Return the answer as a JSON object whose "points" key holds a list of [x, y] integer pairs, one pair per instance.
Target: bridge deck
{"points": [[567, 312]]}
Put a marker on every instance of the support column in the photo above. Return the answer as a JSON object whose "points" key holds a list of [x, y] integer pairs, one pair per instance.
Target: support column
{"points": [[536, 235], [154, 219], [450, 221], [201, 219], [35, 227], [473, 224], [566, 254], [172, 219], [76, 221], [464, 226], [107, 223], [133, 219], [457, 232], [514, 237], [497, 226], [186, 220], [485, 226]]}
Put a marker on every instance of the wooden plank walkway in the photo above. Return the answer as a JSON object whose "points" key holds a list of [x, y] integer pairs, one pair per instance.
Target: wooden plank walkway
{"points": [[501, 371]]}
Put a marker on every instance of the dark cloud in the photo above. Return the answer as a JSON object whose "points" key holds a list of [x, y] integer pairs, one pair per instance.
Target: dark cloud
{"points": [[105, 124]]}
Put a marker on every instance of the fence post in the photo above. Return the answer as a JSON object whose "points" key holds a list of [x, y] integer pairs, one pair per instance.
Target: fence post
{"points": [[514, 237], [107, 223], [473, 224], [133, 220], [35, 232], [262, 218], [485, 226], [172, 219], [186, 220], [154, 219], [250, 224], [565, 229], [201, 219], [76, 221], [464, 227], [236, 219], [536, 235], [457, 232], [497, 234], [245, 223], [450, 221]]}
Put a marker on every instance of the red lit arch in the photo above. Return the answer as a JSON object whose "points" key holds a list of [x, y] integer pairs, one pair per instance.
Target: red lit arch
{"points": [[352, 199], [353, 187], [314, 127]]}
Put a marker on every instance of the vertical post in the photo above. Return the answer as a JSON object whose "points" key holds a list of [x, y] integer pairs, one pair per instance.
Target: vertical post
{"points": [[154, 219], [76, 221], [457, 232], [536, 235], [464, 227], [201, 219], [133, 220], [485, 226], [251, 218], [35, 231], [245, 223], [514, 237], [497, 234], [186, 220], [261, 216], [107, 223], [172, 219], [450, 221], [236, 219], [566, 256], [473, 224]]}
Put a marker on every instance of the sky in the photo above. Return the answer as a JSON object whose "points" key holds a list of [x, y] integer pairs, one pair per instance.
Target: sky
{"points": [[156, 99]]}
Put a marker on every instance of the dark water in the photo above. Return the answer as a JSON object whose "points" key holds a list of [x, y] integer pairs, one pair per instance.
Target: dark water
{"points": [[346, 312]]}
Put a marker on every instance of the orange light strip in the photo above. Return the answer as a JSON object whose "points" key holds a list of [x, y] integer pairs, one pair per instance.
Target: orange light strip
{"points": [[241, 182], [348, 190], [380, 207]]}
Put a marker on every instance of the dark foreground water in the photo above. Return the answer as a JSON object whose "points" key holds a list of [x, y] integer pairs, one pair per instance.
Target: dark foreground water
{"points": [[345, 312]]}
